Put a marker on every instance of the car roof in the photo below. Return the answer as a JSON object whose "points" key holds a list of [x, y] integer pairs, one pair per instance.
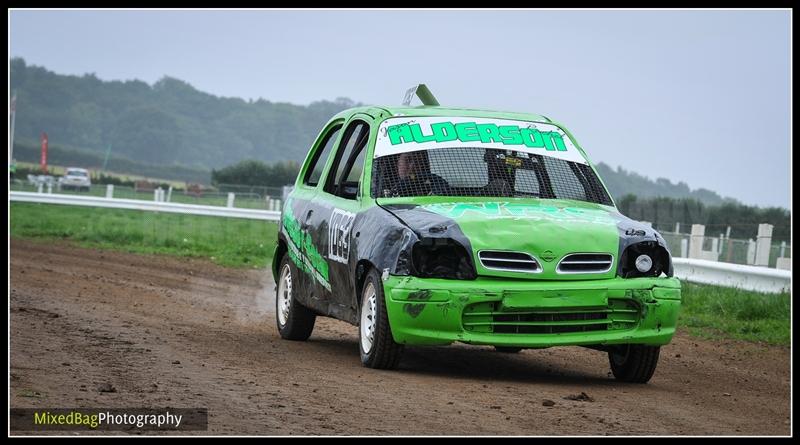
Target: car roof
{"points": [[426, 110]]}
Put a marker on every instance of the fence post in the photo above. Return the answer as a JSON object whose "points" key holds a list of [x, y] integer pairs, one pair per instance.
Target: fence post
{"points": [[677, 227], [751, 251], [155, 194], [278, 204], [783, 248], [39, 187], [231, 197], [696, 241], [730, 245], [49, 188], [763, 244], [684, 247], [169, 194], [109, 191]]}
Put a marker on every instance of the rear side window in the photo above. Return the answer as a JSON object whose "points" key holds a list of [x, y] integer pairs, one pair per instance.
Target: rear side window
{"points": [[317, 164]]}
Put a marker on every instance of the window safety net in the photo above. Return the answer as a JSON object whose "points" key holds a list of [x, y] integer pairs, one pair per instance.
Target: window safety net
{"points": [[477, 171]]}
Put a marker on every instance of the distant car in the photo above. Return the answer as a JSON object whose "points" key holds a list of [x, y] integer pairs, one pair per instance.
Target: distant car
{"points": [[431, 225], [75, 178]]}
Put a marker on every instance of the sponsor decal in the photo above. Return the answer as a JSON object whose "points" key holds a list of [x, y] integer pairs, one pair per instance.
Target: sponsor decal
{"points": [[473, 132], [521, 210], [404, 134], [308, 259]]}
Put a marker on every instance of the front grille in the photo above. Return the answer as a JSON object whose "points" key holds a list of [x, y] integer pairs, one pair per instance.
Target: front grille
{"points": [[585, 263], [509, 261], [619, 314]]}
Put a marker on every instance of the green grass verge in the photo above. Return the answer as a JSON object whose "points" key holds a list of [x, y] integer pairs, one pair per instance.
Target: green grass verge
{"points": [[226, 241], [706, 311], [721, 312]]}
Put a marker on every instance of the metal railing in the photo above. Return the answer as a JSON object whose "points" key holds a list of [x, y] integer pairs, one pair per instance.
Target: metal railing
{"points": [[263, 198], [137, 204]]}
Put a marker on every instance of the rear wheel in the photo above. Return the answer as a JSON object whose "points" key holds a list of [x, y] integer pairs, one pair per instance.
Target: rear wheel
{"points": [[295, 321], [378, 348], [634, 363]]}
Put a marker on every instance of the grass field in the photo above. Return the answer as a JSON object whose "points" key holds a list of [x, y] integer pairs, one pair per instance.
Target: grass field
{"points": [[706, 311], [226, 241], [721, 312]]}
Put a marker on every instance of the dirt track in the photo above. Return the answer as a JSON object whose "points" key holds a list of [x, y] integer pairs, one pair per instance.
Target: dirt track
{"points": [[81, 318]]}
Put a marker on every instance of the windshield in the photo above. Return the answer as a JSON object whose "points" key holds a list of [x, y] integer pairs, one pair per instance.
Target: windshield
{"points": [[476, 171], [456, 156], [80, 173]]}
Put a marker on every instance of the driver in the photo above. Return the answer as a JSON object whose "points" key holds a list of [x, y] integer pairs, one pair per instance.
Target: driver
{"points": [[414, 179]]}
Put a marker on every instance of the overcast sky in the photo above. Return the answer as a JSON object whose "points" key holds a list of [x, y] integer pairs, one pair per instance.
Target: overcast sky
{"points": [[696, 96]]}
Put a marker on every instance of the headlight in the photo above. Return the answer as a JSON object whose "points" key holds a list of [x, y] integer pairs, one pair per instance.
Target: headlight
{"points": [[643, 263], [644, 259], [441, 258]]}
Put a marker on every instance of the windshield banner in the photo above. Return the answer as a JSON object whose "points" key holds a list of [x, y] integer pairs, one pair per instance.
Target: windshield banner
{"points": [[404, 134]]}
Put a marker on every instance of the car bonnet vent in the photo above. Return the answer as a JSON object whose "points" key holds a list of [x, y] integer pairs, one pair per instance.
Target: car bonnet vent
{"points": [[509, 261], [585, 263]]}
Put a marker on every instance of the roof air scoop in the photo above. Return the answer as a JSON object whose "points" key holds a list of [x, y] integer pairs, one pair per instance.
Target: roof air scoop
{"points": [[423, 93]]}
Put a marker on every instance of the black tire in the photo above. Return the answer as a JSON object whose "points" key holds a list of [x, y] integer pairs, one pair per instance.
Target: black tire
{"points": [[634, 363], [299, 320], [507, 349], [383, 353]]}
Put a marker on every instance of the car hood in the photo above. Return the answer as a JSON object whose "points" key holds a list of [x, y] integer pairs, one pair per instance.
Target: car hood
{"points": [[546, 229]]}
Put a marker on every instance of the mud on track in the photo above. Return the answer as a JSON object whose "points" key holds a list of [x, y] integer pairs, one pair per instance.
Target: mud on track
{"points": [[174, 332]]}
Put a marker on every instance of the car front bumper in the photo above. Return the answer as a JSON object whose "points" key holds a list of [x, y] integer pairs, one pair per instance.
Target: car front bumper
{"points": [[530, 313]]}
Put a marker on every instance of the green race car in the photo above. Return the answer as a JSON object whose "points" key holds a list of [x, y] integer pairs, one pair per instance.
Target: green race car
{"points": [[428, 225]]}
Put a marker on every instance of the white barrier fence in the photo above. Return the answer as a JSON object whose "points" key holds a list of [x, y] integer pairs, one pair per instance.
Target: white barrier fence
{"points": [[152, 206], [755, 278]]}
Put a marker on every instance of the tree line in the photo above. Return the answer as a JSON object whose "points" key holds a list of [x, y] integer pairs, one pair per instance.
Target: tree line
{"points": [[168, 123], [743, 220], [257, 173]]}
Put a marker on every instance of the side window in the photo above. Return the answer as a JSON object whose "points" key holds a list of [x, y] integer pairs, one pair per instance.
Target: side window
{"points": [[343, 178], [317, 164]]}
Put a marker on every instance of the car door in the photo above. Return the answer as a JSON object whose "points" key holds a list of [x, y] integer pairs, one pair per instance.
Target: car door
{"points": [[332, 213], [313, 269]]}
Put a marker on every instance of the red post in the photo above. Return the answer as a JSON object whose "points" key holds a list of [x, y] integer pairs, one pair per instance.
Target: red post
{"points": [[43, 163]]}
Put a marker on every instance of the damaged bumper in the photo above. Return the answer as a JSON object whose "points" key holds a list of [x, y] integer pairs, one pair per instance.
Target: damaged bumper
{"points": [[533, 314]]}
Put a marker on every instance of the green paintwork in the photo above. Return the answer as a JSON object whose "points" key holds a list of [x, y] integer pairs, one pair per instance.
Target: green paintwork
{"points": [[453, 310], [558, 227], [302, 252]]}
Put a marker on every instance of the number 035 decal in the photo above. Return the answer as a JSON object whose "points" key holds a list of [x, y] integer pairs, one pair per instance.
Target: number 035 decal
{"points": [[339, 235]]}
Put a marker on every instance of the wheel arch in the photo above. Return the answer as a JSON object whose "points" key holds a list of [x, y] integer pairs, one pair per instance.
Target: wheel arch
{"points": [[280, 250], [362, 270]]}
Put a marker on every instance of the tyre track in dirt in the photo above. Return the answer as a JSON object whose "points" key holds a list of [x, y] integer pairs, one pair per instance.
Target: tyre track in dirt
{"points": [[82, 318]]}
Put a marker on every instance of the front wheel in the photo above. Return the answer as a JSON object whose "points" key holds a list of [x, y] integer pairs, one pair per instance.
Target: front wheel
{"points": [[378, 348], [295, 321], [634, 363]]}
